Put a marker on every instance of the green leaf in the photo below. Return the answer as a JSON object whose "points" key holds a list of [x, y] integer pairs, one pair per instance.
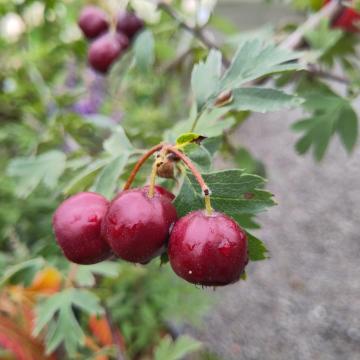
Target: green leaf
{"points": [[187, 138], [57, 314], [199, 155], [85, 276], [205, 78], [262, 100], [323, 38], [212, 123], [256, 248], [331, 114], [233, 192], [144, 50], [256, 58], [106, 182], [27, 266], [85, 177], [118, 143], [31, 171], [176, 350]]}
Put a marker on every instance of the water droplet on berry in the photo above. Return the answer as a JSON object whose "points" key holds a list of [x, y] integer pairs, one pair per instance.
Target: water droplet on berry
{"points": [[93, 218], [225, 248], [75, 218], [112, 220], [190, 246]]}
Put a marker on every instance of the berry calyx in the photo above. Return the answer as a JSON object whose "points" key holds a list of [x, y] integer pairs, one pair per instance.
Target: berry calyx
{"points": [[209, 250], [93, 22], [105, 50], [77, 227], [136, 226], [129, 24]]}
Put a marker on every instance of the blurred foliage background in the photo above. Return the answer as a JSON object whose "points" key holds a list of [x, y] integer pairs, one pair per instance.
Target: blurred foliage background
{"points": [[59, 128]]}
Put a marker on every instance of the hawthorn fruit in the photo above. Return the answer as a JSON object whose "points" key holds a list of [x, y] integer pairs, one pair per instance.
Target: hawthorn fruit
{"points": [[105, 50], [136, 226], [208, 250], [93, 22], [77, 227], [129, 24]]}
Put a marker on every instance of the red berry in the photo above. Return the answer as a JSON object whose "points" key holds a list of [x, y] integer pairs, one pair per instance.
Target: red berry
{"points": [[209, 250], [129, 24], [347, 20], [77, 226], [162, 191], [136, 226], [93, 21], [105, 50]]}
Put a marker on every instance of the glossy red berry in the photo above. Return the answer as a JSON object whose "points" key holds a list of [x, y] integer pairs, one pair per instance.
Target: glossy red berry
{"points": [[129, 24], [77, 226], [105, 50], [93, 21], [208, 250], [136, 226], [162, 191]]}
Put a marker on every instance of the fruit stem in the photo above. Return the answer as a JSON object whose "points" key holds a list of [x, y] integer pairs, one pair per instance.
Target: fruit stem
{"points": [[140, 163], [196, 173], [152, 180], [160, 158]]}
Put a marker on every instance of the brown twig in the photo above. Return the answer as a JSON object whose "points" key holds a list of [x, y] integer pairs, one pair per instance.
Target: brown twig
{"points": [[195, 31], [296, 39], [313, 70]]}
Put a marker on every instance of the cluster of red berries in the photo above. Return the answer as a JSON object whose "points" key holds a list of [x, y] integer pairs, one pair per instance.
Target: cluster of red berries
{"points": [[204, 249], [107, 46]]}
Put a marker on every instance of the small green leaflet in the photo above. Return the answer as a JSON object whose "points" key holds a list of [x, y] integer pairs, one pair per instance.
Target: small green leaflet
{"points": [[176, 350], [144, 50], [186, 138], [57, 314], [233, 192], [331, 114], [31, 171], [323, 38], [205, 77], [253, 59], [262, 100], [256, 248]]}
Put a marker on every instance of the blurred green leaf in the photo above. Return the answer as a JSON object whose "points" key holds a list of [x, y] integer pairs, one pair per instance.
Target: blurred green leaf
{"points": [[256, 248], [262, 100], [144, 50], [118, 143], [205, 78], [176, 350], [85, 276], [31, 171], [57, 313], [106, 182]]}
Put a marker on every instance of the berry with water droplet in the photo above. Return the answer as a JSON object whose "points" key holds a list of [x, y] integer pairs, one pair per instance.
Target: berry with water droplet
{"points": [[136, 226], [129, 24], [105, 50], [209, 250], [77, 226], [93, 22]]}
